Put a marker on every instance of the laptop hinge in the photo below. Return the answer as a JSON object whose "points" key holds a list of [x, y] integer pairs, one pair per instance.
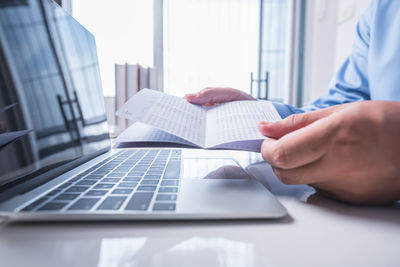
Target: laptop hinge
{"points": [[3, 220]]}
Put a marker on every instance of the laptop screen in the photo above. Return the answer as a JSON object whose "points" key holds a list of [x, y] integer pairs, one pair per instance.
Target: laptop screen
{"points": [[51, 101]]}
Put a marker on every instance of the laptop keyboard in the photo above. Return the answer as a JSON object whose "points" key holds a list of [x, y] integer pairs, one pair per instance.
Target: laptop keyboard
{"points": [[133, 180]]}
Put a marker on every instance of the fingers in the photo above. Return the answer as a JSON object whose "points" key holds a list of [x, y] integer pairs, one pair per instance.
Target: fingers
{"points": [[313, 173], [211, 95], [300, 147], [291, 123]]}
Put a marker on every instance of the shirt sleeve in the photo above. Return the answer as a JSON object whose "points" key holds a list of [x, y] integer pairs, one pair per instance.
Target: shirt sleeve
{"points": [[285, 110], [350, 83]]}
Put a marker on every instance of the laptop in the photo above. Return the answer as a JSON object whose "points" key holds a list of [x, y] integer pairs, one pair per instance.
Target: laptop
{"points": [[56, 160]]}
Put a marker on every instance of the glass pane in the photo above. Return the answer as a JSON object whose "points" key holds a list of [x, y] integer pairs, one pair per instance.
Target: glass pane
{"points": [[123, 30], [36, 129], [209, 43], [275, 47]]}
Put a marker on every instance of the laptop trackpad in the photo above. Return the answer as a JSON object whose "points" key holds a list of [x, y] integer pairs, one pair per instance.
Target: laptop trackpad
{"points": [[219, 168], [228, 198]]}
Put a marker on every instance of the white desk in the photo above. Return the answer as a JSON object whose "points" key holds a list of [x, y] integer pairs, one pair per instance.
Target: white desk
{"points": [[318, 232]]}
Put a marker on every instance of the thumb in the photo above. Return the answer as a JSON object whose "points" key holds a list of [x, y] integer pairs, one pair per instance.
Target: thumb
{"points": [[292, 123]]}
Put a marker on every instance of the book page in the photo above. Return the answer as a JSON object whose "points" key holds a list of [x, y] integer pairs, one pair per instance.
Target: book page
{"points": [[246, 145], [140, 132], [171, 114], [237, 121]]}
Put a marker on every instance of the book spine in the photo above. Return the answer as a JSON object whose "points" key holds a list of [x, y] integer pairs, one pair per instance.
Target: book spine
{"points": [[120, 94], [143, 77], [153, 79], [132, 82]]}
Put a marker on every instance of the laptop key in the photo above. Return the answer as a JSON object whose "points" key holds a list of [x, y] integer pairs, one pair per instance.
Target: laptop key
{"points": [[86, 182], [66, 197], [116, 174], [139, 201], [84, 204], [141, 168], [127, 185], [99, 172], [173, 170], [77, 189], [122, 191], [65, 185], [123, 168], [136, 173], [156, 173], [53, 193], [34, 204], [53, 206], [110, 180], [157, 165], [103, 186], [166, 197], [156, 169], [112, 203], [96, 193], [93, 177], [147, 188], [132, 179], [75, 179], [148, 176], [149, 182], [170, 183], [168, 190], [164, 206]]}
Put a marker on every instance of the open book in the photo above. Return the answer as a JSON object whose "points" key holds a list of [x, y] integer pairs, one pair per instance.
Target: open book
{"points": [[161, 117]]}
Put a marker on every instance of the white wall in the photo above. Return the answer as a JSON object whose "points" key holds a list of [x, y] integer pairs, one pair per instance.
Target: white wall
{"points": [[319, 54], [330, 28], [350, 12]]}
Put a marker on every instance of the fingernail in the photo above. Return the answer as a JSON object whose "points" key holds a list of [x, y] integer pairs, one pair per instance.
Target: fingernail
{"points": [[191, 95], [264, 123]]}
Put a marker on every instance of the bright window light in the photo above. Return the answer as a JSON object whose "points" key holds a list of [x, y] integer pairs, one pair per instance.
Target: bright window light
{"points": [[123, 31], [209, 43]]}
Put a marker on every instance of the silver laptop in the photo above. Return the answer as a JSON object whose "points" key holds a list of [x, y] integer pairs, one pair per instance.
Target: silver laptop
{"points": [[55, 155]]}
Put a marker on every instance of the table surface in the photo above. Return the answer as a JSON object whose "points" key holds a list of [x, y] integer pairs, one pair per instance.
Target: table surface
{"points": [[317, 232]]}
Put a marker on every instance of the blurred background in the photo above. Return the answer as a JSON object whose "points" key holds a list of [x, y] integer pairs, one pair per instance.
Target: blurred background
{"points": [[281, 50]]}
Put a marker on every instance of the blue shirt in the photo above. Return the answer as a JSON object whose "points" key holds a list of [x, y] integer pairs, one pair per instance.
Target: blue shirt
{"points": [[372, 70]]}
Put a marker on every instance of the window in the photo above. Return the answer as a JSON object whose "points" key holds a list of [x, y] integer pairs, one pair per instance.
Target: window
{"points": [[203, 43], [123, 30], [276, 43], [209, 43]]}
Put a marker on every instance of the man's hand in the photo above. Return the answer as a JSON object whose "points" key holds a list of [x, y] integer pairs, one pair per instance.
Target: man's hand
{"points": [[215, 95], [350, 152]]}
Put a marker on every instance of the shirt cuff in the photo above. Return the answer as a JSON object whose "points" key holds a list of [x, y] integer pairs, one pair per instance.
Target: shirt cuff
{"points": [[286, 110]]}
